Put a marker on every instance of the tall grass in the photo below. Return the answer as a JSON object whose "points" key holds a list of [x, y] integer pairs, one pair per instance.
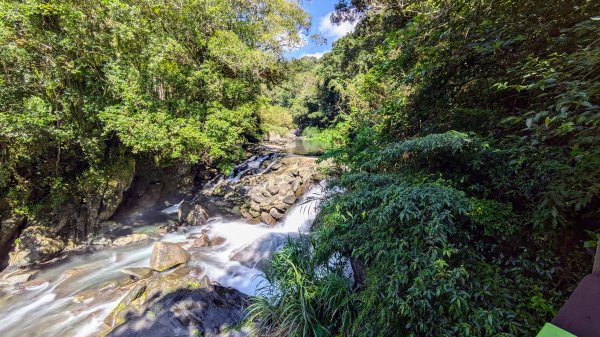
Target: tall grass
{"points": [[300, 296]]}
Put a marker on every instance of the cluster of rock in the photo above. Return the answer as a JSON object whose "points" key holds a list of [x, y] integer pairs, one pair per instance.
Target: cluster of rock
{"points": [[204, 241], [173, 299], [261, 189], [265, 196]]}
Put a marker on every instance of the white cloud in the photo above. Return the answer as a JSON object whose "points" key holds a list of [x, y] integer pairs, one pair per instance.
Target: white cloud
{"points": [[288, 45], [334, 31], [317, 54]]}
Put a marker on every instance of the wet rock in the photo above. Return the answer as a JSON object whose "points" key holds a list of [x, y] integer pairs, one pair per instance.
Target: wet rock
{"points": [[201, 242], [73, 272], [101, 241], [167, 255], [170, 227], [192, 214], [134, 293], [217, 241], [204, 241], [290, 199], [131, 239], [119, 314], [29, 285], [110, 285], [262, 249], [181, 278], [107, 226], [17, 277], [138, 273], [35, 244], [85, 296], [275, 213], [143, 294], [267, 218]]}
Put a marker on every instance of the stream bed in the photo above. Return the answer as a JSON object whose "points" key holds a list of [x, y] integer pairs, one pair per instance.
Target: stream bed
{"points": [[73, 297]]}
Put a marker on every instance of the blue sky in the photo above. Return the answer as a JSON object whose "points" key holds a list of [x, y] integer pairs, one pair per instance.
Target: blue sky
{"points": [[320, 10]]}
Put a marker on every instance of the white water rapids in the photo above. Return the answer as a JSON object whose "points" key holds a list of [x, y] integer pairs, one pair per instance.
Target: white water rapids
{"points": [[77, 305]]}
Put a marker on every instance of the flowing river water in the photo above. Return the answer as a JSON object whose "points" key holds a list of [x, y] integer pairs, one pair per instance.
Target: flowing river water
{"points": [[73, 297]]}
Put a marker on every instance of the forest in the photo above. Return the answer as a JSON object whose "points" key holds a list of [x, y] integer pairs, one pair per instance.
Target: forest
{"points": [[463, 157]]}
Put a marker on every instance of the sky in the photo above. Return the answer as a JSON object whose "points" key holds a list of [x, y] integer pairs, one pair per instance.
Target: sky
{"points": [[320, 11]]}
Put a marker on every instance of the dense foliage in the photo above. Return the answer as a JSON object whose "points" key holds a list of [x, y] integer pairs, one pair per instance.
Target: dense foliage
{"points": [[475, 232], [466, 176], [85, 86]]}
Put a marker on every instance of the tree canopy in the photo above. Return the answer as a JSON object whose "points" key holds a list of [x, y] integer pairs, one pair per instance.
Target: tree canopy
{"points": [[83, 83]]}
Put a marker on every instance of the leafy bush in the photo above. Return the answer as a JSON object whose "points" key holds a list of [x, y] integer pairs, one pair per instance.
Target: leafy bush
{"points": [[438, 259], [475, 232]]}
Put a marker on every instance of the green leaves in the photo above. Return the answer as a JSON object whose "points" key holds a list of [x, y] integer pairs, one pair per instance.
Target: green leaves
{"points": [[173, 82], [470, 233], [300, 297]]}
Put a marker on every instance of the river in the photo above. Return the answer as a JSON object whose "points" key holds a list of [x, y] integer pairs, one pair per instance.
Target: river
{"points": [[73, 297]]}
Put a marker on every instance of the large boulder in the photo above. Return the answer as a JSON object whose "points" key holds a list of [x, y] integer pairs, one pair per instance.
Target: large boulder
{"points": [[10, 224], [252, 254], [166, 255], [36, 244], [192, 214], [178, 304]]}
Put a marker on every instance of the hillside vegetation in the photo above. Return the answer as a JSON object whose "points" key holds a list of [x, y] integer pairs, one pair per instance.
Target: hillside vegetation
{"points": [[467, 186], [89, 88]]}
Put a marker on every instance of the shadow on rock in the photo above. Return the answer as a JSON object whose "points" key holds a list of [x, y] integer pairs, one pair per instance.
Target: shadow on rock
{"points": [[187, 312]]}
